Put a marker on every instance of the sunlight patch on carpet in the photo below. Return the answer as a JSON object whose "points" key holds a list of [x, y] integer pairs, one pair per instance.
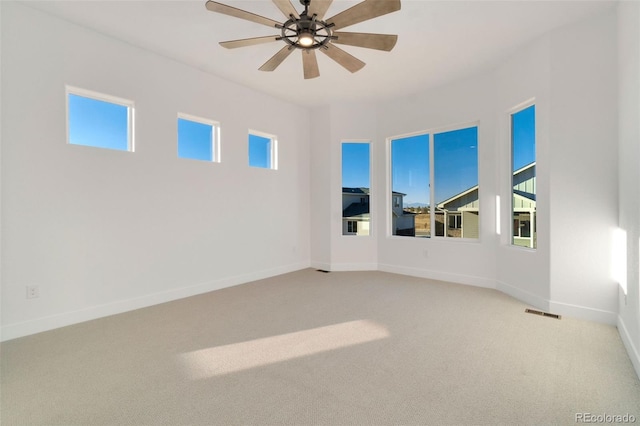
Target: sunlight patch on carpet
{"points": [[227, 359]]}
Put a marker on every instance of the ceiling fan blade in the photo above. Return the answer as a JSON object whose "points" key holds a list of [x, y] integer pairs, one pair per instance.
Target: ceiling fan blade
{"points": [[310, 64], [319, 8], [232, 44], [384, 42], [277, 59], [242, 14], [287, 8], [351, 63], [363, 11]]}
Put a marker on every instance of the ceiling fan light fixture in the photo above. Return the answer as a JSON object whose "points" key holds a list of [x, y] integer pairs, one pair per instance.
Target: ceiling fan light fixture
{"points": [[310, 31], [305, 38]]}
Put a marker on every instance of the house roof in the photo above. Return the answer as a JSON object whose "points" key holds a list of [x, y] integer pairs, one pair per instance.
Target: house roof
{"points": [[523, 168], [475, 187], [526, 195], [347, 190], [461, 194], [356, 209]]}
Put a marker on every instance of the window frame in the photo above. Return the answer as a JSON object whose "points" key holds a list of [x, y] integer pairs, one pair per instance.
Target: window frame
{"points": [[273, 151], [447, 129], [352, 227], [432, 207], [371, 191], [533, 224], [103, 97], [215, 136], [393, 200]]}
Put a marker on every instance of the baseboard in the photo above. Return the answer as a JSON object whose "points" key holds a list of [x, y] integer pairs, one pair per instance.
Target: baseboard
{"points": [[583, 312], [324, 266], [438, 275], [633, 352], [354, 267], [13, 331], [565, 309], [524, 296]]}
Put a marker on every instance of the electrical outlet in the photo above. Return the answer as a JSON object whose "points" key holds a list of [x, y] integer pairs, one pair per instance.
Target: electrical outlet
{"points": [[33, 291]]}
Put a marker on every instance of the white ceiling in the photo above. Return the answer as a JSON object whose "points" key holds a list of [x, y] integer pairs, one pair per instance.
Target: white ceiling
{"points": [[438, 41]]}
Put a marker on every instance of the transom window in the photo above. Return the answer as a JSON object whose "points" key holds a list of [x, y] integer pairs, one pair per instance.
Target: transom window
{"points": [[98, 120], [198, 138], [262, 150]]}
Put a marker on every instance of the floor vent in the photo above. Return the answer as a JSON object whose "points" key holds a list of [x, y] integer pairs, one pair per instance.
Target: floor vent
{"points": [[542, 314], [322, 270]]}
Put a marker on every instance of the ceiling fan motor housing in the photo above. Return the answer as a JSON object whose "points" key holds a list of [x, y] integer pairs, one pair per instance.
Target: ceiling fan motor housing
{"points": [[306, 32], [310, 30]]}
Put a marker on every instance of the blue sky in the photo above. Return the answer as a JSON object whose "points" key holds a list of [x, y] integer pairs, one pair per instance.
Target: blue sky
{"points": [[259, 151], [410, 168], [194, 140], [455, 162], [97, 123], [104, 124], [356, 168], [523, 124]]}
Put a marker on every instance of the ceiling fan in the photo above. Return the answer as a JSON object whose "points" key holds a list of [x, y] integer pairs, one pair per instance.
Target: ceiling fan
{"points": [[309, 31]]}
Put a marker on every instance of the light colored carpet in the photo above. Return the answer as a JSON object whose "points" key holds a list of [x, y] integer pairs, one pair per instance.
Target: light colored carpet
{"points": [[344, 348]]}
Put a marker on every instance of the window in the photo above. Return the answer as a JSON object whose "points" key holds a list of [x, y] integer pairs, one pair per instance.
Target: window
{"points": [[355, 188], [455, 162], [449, 158], [98, 120], [523, 177], [198, 138], [410, 192], [455, 221], [352, 227], [262, 150]]}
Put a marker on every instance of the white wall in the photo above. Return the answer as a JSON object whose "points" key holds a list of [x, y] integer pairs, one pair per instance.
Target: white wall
{"points": [[1, 184], [629, 171], [103, 231], [351, 122], [464, 102], [584, 167], [321, 178], [524, 77], [570, 74]]}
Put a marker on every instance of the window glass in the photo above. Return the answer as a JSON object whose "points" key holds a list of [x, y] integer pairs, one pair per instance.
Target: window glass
{"points": [[456, 183], [262, 151], [410, 193], [196, 139], [523, 178], [93, 120], [355, 188]]}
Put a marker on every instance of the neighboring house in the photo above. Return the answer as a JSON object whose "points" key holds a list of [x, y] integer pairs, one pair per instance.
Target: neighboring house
{"points": [[459, 214], [402, 222], [524, 206], [356, 217], [355, 211]]}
